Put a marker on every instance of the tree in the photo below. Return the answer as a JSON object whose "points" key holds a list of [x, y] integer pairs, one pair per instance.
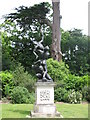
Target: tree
{"points": [[28, 17], [75, 50], [56, 34], [36, 16], [27, 25], [5, 51]]}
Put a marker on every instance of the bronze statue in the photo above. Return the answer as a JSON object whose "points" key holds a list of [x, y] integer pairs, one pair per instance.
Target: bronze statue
{"points": [[40, 65]]}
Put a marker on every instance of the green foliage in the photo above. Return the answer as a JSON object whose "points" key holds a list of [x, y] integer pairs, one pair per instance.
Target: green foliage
{"points": [[6, 51], [19, 40], [23, 78], [32, 98], [24, 25], [76, 82], [61, 94], [57, 70], [25, 16], [7, 89], [71, 96], [82, 82], [21, 95], [75, 50], [86, 93], [7, 82], [69, 87], [74, 97]]}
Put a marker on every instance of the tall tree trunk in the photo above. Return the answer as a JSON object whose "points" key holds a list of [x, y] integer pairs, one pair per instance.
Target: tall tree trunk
{"points": [[56, 34]]}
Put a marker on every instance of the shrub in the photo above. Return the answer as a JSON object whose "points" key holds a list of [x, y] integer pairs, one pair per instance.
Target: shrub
{"points": [[7, 90], [81, 82], [76, 82], [32, 98], [21, 95], [78, 97], [86, 93], [57, 70], [74, 97], [66, 82], [7, 82], [61, 94], [71, 96], [71, 81], [23, 78]]}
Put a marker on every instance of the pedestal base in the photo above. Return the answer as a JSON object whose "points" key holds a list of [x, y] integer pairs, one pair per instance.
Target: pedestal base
{"points": [[44, 106], [45, 111], [42, 115]]}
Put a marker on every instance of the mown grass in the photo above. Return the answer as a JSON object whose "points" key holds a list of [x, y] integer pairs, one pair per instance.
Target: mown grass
{"points": [[67, 110], [73, 110]]}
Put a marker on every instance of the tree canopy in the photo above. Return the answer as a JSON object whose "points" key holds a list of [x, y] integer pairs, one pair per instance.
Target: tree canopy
{"points": [[27, 23], [75, 50]]}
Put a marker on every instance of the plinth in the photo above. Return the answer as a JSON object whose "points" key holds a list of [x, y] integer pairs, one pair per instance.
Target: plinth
{"points": [[44, 106]]}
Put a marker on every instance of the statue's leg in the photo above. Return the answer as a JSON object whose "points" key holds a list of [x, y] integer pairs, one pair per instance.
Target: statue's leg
{"points": [[39, 75], [35, 54], [48, 77]]}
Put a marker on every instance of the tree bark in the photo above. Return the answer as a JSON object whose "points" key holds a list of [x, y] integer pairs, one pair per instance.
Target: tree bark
{"points": [[56, 34]]}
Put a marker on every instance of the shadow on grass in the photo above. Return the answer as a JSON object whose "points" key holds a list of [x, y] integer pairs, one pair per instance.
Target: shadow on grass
{"points": [[21, 112]]}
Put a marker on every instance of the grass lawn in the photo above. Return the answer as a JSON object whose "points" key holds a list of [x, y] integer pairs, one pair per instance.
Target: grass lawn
{"points": [[67, 110], [73, 110]]}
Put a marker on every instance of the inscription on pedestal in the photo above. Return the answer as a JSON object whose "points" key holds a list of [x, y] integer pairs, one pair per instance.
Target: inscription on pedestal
{"points": [[45, 95]]}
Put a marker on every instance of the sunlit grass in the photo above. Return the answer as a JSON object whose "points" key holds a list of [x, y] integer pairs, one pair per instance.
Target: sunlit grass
{"points": [[67, 110], [73, 110]]}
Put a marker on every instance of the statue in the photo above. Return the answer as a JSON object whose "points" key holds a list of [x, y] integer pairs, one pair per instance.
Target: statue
{"points": [[41, 53]]}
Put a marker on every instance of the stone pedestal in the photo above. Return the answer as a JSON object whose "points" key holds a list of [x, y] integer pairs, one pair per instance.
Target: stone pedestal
{"points": [[44, 106]]}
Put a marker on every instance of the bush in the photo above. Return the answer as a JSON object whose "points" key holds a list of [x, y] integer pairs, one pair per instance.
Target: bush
{"points": [[71, 96], [66, 82], [7, 82], [74, 97], [23, 78], [81, 82], [61, 94], [21, 95], [57, 70], [86, 93], [32, 98], [71, 82], [76, 82]]}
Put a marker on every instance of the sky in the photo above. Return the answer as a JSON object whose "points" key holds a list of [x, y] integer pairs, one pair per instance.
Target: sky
{"points": [[74, 12]]}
